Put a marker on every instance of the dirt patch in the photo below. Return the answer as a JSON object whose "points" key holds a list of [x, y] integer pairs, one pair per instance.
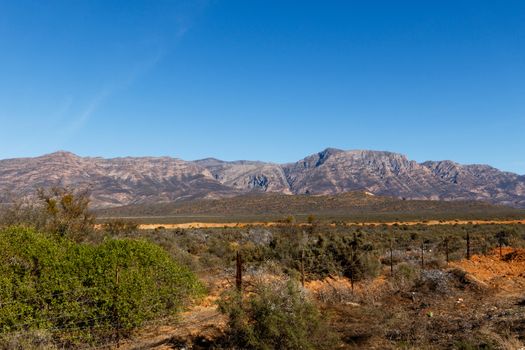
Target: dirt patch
{"points": [[505, 272]]}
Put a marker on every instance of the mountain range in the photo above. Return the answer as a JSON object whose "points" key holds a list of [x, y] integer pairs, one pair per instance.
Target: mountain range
{"points": [[137, 180]]}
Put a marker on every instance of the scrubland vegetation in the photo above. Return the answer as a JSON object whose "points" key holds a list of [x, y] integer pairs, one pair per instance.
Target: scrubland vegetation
{"points": [[356, 206], [289, 286]]}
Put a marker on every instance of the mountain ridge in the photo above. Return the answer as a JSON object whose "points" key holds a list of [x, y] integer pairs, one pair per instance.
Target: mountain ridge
{"points": [[131, 180]]}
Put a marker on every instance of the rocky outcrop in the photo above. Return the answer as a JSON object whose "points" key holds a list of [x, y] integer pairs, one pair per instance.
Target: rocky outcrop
{"points": [[248, 175]]}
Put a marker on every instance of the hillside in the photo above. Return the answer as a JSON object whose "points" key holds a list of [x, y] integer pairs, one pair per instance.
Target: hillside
{"points": [[145, 180]]}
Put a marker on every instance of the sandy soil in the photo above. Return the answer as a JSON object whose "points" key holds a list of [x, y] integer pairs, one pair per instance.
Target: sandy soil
{"points": [[505, 273], [238, 224]]}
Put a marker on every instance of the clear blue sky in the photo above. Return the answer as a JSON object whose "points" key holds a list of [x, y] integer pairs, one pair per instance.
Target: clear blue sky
{"points": [[267, 80]]}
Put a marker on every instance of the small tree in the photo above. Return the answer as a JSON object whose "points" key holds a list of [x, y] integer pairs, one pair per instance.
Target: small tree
{"points": [[66, 211]]}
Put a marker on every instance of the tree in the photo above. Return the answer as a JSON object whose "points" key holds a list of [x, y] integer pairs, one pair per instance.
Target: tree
{"points": [[66, 211]]}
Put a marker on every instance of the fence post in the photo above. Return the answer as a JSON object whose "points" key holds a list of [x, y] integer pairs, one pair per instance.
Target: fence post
{"points": [[238, 275], [302, 267], [352, 261], [422, 255], [446, 249], [391, 259], [468, 246]]}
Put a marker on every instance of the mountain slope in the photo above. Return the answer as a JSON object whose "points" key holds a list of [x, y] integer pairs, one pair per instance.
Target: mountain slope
{"points": [[247, 175], [113, 182], [335, 171], [123, 181], [482, 181]]}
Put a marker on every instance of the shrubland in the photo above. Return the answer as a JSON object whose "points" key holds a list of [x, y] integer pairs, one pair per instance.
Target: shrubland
{"points": [[64, 282], [373, 286]]}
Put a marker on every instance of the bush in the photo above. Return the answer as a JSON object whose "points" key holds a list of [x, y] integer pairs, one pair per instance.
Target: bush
{"points": [[341, 255], [276, 316], [48, 282], [405, 276]]}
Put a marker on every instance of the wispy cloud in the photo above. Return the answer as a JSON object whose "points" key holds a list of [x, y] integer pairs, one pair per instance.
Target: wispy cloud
{"points": [[81, 118], [156, 48]]}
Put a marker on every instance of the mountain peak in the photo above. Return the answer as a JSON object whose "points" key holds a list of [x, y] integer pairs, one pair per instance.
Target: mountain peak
{"points": [[331, 150], [61, 154]]}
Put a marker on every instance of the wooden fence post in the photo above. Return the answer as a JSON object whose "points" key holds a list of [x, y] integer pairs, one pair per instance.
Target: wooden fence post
{"points": [[422, 255], [302, 267], [238, 275], [468, 246], [352, 261], [446, 249], [391, 259]]}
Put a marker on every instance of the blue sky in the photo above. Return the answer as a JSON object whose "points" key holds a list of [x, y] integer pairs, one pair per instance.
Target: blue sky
{"points": [[267, 80]]}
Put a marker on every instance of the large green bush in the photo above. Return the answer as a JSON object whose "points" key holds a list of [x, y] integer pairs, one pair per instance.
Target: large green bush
{"points": [[48, 282]]}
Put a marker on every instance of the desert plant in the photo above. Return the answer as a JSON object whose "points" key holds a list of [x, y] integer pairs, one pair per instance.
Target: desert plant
{"points": [[277, 315], [66, 211]]}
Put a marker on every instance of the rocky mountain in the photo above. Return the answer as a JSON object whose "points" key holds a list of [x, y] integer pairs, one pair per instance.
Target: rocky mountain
{"points": [[113, 182], [123, 181], [247, 175]]}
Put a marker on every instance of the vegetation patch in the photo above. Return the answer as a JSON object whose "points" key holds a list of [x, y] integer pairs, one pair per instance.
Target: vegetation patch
{"points": [[276, 315], [84, 292]]}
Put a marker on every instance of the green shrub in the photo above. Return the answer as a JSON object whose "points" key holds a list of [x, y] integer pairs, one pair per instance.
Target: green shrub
{"points": [[48, 282], [276, 316]]}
